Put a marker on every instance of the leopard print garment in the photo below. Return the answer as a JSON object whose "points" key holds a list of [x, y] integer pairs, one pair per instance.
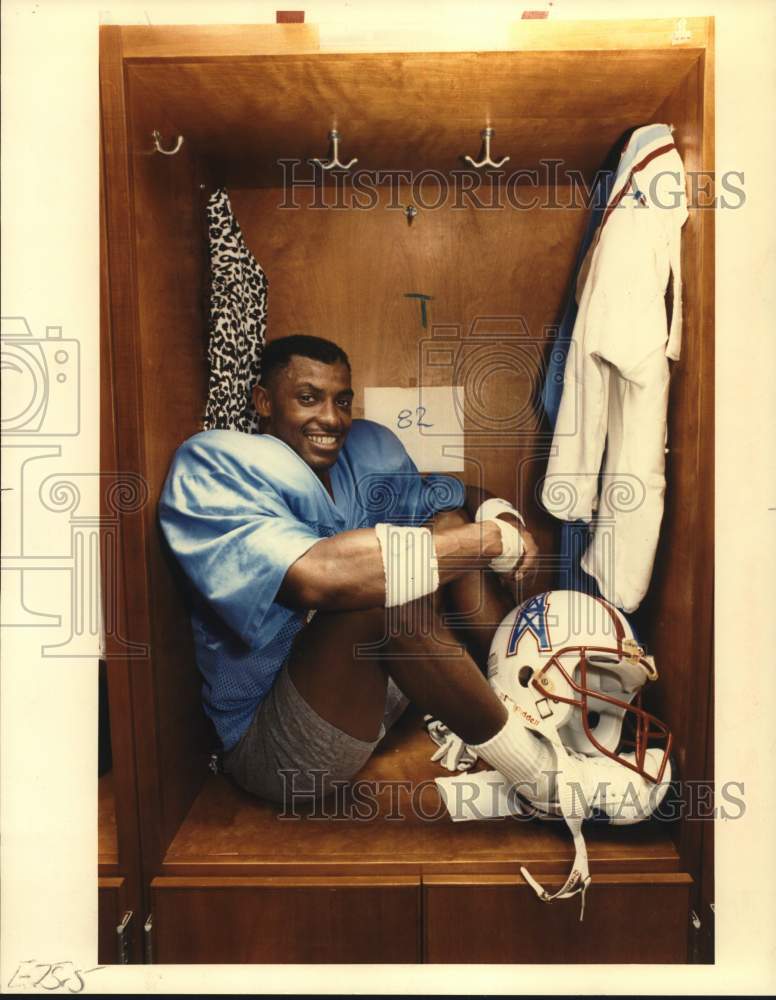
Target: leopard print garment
{"points": [[238, 322]]}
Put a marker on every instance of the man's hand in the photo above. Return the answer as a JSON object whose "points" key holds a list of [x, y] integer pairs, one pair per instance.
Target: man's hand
{"points": [[528, 564]]}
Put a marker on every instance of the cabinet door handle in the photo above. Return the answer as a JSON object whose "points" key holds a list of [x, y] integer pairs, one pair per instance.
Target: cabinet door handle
{"points": [[122, 938], [148, 939]]}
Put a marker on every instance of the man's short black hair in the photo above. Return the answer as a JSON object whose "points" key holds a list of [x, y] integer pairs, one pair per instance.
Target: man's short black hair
{"points": [[278, 353]]}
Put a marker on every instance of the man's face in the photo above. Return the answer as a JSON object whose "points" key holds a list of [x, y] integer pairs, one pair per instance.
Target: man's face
{"points": [[308, 405]]}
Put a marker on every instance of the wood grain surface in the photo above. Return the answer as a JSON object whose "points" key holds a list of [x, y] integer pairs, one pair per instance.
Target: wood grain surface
{"points": [[107, 833], [407, 111], [627, 920], [287, 920], [111, 903]]}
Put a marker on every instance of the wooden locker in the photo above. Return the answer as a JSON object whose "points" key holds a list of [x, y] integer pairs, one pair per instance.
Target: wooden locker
{"points": [[243, 98], [119, 857]]}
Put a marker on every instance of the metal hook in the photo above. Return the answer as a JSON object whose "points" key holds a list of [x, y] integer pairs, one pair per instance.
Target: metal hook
{"points": [[681, 32], [335, 137], [487, 134], [158, 144]]}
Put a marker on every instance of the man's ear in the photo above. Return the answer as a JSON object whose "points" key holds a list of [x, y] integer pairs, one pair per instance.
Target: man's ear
{"points": [[262, 402]]}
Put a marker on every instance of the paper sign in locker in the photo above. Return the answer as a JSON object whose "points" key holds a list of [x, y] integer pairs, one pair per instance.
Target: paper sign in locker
{"points": [[428, 420]]}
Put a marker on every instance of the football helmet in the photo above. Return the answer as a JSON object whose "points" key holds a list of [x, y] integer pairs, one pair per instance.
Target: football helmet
{"points": [[570, 664]]}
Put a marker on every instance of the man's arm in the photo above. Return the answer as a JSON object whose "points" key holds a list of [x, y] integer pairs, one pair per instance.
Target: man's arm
{"points": [[345, 572]]}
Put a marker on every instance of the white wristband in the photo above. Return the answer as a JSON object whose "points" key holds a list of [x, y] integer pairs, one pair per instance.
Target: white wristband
{"points": [[409, 563], [511, 541]]}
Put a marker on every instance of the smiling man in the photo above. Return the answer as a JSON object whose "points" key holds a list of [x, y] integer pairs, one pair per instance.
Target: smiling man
{"points": [[319, 536], [306, 401]]}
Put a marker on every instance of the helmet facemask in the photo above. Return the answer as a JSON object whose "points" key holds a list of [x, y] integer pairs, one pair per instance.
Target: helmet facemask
{"points": [[605, 715]]}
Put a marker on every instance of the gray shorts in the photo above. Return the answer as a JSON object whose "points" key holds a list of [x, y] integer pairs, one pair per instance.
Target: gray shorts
{"points": [[289, 748]]}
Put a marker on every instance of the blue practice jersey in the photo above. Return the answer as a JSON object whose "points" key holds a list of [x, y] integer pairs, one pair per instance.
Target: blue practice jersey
{"points": [[238, 509]]}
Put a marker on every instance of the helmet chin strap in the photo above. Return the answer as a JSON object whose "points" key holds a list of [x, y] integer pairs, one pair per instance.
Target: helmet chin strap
{"points": [[566, 769]]}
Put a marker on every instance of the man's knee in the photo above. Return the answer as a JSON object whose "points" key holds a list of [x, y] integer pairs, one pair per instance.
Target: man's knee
{"points": [[381, 633], [358, 625], [341, 637]]}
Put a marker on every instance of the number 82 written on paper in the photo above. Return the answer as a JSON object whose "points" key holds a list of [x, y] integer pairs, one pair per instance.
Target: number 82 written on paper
{"points": [[405, 420]]}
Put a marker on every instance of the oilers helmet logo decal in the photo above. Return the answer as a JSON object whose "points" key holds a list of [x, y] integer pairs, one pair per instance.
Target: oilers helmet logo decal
{"points": [[531, 617]]}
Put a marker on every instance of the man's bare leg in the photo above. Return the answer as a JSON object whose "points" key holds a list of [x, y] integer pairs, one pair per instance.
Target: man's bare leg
{"points": [[347, 691], [476, 602], [415, 646], [432, 669], [340, 662], [437, 673]]}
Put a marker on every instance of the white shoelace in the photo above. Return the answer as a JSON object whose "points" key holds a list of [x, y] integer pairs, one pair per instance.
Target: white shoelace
{"points": [[578, 878]]}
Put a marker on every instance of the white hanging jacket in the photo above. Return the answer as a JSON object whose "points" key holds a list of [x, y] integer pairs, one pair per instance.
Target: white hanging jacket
{"points": [[615, 390]]}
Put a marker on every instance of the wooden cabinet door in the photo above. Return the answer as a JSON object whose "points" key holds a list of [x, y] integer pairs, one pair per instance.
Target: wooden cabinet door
{"points": [[111, 906], [497, 918], [276, 919]]}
